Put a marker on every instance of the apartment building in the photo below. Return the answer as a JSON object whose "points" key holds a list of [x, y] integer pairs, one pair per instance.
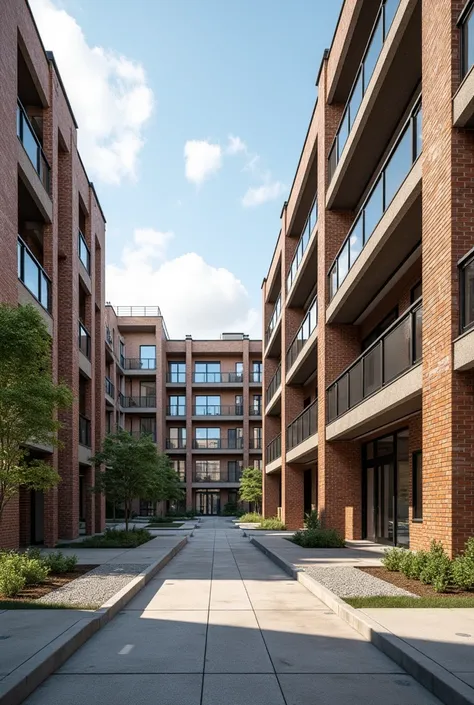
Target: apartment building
{"points": [[52, 240], [369, 297], [200, 400]]}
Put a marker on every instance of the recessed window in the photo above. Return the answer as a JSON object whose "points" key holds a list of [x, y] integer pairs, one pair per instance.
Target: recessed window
{"points": [[417, 487]]}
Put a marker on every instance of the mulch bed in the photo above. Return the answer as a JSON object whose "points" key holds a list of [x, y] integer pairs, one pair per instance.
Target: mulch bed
{"points": [[52, 582], [414, 586]]}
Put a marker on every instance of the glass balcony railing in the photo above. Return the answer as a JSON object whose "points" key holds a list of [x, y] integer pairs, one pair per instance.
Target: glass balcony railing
{"points": [[84, 341], [467, 293], [218, 410], [218, 444], [176, 410], [310, 321], [217, 475], [84, 252], [139, 363], [304, 426], [84, 431], [274, 384], [466, 26], [33, 276], [109, 388], [176, 377], [273, 450], [384, 20], [142, 402], [392, 354], [218, 377], [273, 320], [396, 168], [303, 244], [32, 146]]}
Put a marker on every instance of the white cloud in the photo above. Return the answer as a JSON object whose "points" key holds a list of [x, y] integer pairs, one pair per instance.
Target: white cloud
{"points": [[255, 196], [195, 297], [202, 159], [236, 145], [109, 95]]}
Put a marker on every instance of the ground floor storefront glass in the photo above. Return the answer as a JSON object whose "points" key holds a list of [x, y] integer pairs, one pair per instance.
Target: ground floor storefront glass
{"points": [[208, 502]]}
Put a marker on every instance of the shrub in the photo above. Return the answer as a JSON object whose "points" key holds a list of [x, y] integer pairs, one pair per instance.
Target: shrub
{"points": [[463, 567], [413, 564], [392, 558], [230, 509], [160, 520], [251, 518], [272, 524], [318, 538], [117, 538], [11, 580], [437, 570], [59, 563], [34, 571], [312, 520]]}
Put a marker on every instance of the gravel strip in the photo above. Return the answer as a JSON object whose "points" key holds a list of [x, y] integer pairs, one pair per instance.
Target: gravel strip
{"points": [[350, 582], [96, 586]]}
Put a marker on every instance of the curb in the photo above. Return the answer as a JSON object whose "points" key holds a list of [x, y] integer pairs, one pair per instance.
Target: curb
{"points": [[19, 684], [443, 684]]}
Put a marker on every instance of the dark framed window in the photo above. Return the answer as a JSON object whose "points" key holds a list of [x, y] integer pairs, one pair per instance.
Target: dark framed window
{"points": [[466, 25], [417, 485], [380, 328], [415, 293]]}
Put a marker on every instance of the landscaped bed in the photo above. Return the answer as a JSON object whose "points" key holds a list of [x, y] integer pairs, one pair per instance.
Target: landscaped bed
{"points": [[415, 586], [177, 525], [28, 596], [114, 538]]}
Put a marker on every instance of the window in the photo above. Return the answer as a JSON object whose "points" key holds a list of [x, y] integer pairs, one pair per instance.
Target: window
{"points": [[208, 405], [257, 435], [235, 438], [380, 328], [177, 438], [415, 293], [207, 438], [122, 353], [257, 404], [258, 464], [417, 486], [148, 427], [234, 470], [239, 370], [177, 372], [179, 466], [84, 253], [239, 404], [148, 357], [207, 371], [207, 470], [177, 405], [148, 389], [256, 371]]}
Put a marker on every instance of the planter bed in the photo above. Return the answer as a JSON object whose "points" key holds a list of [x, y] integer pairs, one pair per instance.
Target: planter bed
{"points": [[27, 598], [415, 586]]}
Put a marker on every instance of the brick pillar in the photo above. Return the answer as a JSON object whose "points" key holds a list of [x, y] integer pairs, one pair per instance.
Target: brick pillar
{"points": [[271, 494], [10, 525], [189, 422], [448, 220], [89, 500], [25, 516], [246, 402]]}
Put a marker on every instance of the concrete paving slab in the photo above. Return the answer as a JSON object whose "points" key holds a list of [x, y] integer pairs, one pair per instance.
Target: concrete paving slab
{"points": [[241, 690], [173, 594], [150, 642], [235, 644], [96, 690], [229, 594], [281, 596]]}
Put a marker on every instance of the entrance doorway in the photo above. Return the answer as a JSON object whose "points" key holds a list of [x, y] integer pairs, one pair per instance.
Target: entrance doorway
{"points": [[37, 517], [208, 502]]}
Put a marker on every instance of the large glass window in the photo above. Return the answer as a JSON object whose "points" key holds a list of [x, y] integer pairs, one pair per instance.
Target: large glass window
{"points": [[207, 438], [239, 404], [179, 466], [398, 166], [467, 294], [147, 357], [207, 471], [239, 370], [257, 404], [177, 405], [208, 405], [207, 372], [417, 485], [234, 470], [403, 488], [177, 438], [177, 372], [148, 390], [467, 29], [257, 371]]}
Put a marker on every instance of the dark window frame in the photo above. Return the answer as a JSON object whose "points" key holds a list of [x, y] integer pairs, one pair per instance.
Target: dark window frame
{"points": [[414, 294], [417, 502]]}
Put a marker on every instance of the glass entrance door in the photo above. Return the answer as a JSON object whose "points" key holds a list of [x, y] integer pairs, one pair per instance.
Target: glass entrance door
{"points": [[208, 502], [380, 501]]}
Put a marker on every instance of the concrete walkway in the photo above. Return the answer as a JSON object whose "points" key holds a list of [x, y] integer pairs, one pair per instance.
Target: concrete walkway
{"points": [[222, 624]]}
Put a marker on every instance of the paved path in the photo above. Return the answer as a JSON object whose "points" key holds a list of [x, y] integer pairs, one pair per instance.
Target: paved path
{"points": [[222, 624]]}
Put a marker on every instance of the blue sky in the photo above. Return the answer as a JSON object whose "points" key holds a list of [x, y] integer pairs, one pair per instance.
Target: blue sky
{"points": [[234, 81]]}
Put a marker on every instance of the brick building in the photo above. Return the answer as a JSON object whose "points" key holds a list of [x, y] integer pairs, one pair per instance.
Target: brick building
{"points": [[52, 240], [369, 298], [200, 400]]}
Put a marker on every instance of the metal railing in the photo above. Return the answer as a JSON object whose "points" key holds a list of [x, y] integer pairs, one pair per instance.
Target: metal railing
{"points": [[176, 443], [382, 24], [310, 321], [273, 450], [138, 311], [255, 443], [303, 243], [273, 320], [142, 402], [218, 377], [84, 431], [393, 173], [217, 476], [303, 426], [255, 410], [218, 444], [33, 276], [137, 363], [32, 146], [392, 354], [84, 252], [256, 377], [466, 26], [218, 410], [176, 377], [274, 384], [144, 434], [175, 410], [466, 278], [109, 387], [84, 340]]}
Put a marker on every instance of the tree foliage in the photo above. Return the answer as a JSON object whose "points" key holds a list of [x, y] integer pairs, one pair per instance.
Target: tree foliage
{"points": [[251, 486], [29, 400]]}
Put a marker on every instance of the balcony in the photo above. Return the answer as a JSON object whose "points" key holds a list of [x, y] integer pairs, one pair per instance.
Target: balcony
{"points": [[300, 363], [140, 403], [382, 385], [175, 411], [84, 431], [139, 311], [202, 411], [224, 379], [175, 444], [234, 445], [33, 277], [256, 377], [302, 436], [273, 393], [273, 455], [386, 230], [255, 410], [298, 286], [84, 252], [139, 366], [32, 146], [272, 345], [463, 101], [464, 345], [217, 476], [109, 389], [173, 378], [388, 76], [255, 444]]}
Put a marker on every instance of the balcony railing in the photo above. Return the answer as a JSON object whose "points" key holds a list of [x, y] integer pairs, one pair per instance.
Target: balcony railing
{"points": [[218, 444], [32, 146], [218, 377], [466, 25], [109, 388], [175, 410], [144, 434], [467, 293], [217, 476], [303, 244], [255, 410], [84, 431], [218, 410], [274, 384], [147, 402], [84, 252], [176, 377], [396, 168], [304, 426], [138, 311], [273, 450], [392, 354], [377, 39], [310, 321], [256, 377], [255, 444], [33, 276], [137, 363], [273, 320], [84, 341], [176, 443]]}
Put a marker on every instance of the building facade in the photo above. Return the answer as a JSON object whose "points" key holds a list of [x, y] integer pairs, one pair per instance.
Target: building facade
{"points": [[52, 242], [200, 400], [369, 298]]}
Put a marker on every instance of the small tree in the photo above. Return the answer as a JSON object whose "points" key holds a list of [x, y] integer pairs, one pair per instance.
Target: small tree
{"points": [[166, 483], [130, 469], [29, 400], [251, 487]]}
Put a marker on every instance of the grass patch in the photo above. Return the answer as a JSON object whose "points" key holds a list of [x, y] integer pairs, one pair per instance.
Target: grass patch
{"points": [[165, 526], [114, 538], [35, 605], [410, 602]]}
